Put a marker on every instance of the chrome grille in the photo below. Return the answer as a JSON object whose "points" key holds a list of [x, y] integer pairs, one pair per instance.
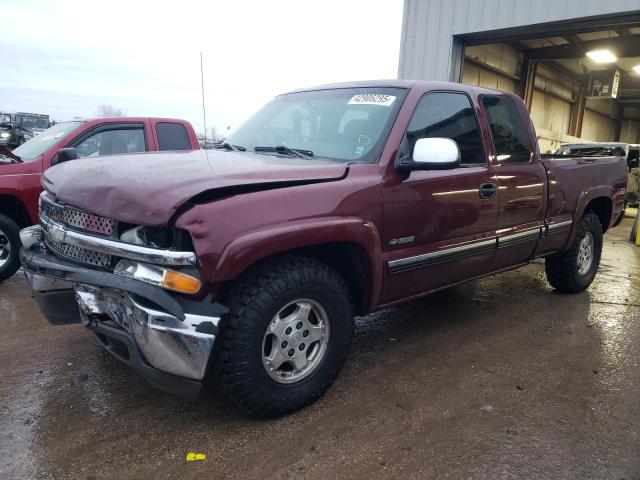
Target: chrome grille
{"points": [[83, 255], [76, 218], [50, 210], [87, 221]]}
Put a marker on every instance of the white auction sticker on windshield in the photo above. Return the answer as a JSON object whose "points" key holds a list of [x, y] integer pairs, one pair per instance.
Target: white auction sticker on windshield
{"points": [[372, 99], [52, 137]]}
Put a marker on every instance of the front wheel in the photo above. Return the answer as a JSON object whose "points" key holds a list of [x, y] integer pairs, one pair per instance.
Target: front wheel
{"points": [[574, 270], [286, 336], [9, 247]]}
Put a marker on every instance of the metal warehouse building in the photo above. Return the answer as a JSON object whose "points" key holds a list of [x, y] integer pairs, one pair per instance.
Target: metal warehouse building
{"points": [[576, 63]]}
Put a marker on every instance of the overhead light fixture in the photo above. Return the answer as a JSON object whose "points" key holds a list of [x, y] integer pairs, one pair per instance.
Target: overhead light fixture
{"points": [[601, 56], [637, 69]]}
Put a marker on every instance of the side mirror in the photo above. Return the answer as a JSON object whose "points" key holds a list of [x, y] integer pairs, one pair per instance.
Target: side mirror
{"points": [[432, 154], [64, 155]]}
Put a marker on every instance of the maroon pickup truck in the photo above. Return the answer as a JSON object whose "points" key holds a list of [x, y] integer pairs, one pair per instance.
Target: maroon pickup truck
{"points": [[251, 260], [20, 169]]}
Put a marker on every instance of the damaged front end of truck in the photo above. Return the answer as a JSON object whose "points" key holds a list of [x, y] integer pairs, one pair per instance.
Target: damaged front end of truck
{"points": [[112, 251], [129, 285]]}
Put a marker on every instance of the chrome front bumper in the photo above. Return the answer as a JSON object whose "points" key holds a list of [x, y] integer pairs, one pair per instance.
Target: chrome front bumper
{"points": [[166, 338], [168, 344]]}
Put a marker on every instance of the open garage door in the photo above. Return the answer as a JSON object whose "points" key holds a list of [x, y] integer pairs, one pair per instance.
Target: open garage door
{"points": [[579, 86]]}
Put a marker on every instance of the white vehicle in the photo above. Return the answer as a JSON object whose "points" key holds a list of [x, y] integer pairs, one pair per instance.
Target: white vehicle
{"points": [[630, 151]]}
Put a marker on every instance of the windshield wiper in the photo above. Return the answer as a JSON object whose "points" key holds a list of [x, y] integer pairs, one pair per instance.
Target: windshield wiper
{"points": [[296, 152], [7, 159], [228, 146]]}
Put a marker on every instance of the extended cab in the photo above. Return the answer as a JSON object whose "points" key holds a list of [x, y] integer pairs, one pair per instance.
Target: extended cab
{"points": [[328, 202], [20, 170]]}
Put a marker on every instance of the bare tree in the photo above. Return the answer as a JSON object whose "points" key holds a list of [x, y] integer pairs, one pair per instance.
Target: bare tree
{"points": [[109, 111], [214, 136]]}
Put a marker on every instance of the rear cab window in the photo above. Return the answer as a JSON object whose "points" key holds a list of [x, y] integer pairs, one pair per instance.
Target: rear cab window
{"points": [[172, 136], [508, 130]]}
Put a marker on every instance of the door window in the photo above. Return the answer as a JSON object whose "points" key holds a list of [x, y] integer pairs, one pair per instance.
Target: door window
{"points": [[112, 142], [172, 136], [509, 134], [448, 115]]}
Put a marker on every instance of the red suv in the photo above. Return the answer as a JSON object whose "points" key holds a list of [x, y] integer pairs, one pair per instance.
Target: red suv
{"points": [[21, 169]]}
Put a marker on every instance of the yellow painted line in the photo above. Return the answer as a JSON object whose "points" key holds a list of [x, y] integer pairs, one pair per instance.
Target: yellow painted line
{"points": [[192, 456]]}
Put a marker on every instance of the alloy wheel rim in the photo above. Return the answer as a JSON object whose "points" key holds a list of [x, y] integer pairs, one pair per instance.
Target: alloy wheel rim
{"points": [[295, 341], [585, 253], [5, 249]]}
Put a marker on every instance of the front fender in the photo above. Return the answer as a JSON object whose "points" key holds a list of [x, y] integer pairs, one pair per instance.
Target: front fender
{"points": [[247, 249]]}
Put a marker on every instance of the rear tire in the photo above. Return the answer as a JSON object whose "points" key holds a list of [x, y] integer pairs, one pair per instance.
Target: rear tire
{"points": [[293, 313], [9, 247], [573, 271]]}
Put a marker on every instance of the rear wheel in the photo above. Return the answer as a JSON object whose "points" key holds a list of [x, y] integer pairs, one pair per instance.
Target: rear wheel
{"points": [[286, 336], [9, 247], [574, 270]]}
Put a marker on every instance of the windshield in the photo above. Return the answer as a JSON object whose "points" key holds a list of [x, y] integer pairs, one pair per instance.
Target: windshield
{"points": [[346, 124], [28, 121], [40, 143]]}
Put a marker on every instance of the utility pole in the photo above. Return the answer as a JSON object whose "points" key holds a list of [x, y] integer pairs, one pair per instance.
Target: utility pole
{"points": [[204, 113]]}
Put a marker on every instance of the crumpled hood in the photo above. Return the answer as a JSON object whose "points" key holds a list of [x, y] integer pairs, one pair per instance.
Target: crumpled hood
{"points": [[148, 188]]}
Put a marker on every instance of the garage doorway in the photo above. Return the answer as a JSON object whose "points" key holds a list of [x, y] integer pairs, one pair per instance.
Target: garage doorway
{"points": [[579, 85]]}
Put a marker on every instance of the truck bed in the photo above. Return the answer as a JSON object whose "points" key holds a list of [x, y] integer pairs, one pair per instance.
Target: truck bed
{"points": [[571, 178]]}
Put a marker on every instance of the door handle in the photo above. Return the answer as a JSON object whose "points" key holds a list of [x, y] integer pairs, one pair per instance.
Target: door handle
{"points": [[488, 190]]}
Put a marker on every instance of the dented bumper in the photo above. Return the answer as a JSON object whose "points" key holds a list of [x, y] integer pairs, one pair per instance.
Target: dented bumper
{"points": [[166, 339]]}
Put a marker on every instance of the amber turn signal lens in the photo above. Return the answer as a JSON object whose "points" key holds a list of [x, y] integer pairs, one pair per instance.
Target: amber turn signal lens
{"points": [[180, 282]]}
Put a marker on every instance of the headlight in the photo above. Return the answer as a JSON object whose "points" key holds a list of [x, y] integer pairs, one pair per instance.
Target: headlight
{"points": [[160, 276], [5, 134], [30, 236], [137, 236], [156, 237]]}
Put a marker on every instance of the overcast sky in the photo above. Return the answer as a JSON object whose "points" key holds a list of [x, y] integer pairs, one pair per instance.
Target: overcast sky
{"points": [[65, 58]]}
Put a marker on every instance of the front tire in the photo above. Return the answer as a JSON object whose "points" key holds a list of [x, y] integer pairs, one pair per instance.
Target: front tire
{"points": [[574, 270], [286, 336], [9, 247]]}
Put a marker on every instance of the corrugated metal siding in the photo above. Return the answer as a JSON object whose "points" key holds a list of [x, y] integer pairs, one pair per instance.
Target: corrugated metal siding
{"points": [[428, 25]]}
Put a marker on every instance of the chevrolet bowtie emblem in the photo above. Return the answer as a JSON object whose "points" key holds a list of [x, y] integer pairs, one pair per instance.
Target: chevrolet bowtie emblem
{"points": [[57, 234]]}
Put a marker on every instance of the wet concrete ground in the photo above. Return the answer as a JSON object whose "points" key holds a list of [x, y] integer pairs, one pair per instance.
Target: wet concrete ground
{"points": [[497, 378]]}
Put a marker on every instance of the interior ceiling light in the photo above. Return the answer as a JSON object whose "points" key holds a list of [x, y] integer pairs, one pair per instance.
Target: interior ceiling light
{"points": [[637, 69], [601, 56]]}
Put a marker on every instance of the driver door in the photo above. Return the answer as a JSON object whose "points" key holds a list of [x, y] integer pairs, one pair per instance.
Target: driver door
{"points": [[440, 225]]}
